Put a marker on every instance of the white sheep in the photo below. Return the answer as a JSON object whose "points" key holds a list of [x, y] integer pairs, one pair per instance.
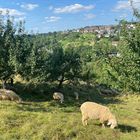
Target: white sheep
{"points": [[91, 110], [58, 96], [9, 95]]}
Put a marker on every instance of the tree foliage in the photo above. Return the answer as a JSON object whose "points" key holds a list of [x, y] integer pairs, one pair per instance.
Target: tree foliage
{"points": [[58, 57], [7, 44]]}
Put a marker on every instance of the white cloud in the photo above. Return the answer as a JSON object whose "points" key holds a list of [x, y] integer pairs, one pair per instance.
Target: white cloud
{"points": [[52, 19], [73, 8], [126, 5], [12, 12], [122, 5], [89, 16], [29, 6]]}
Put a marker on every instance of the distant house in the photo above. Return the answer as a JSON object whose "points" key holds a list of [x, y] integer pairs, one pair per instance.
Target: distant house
{"points": [[131, 26], [103, 30]]}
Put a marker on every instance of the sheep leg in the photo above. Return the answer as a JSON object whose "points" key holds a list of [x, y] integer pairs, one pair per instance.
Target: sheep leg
{"points": [[61, 101], [103, 125], [102, 122], [84, 120]]}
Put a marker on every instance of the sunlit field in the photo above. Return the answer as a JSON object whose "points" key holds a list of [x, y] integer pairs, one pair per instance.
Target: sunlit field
{"points": [[50, 120]]}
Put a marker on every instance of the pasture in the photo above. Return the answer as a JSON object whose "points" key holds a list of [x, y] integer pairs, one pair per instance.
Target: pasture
{"points": [[37, 119]]}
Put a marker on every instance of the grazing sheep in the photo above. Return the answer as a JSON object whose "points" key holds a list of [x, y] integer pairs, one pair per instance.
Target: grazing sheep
{"points": [[9, 95], [91, 110], [76, 95], [58, 96]]}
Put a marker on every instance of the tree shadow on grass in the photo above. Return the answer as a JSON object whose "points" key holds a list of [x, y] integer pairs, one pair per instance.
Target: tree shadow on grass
{"points": [[27, 106], [127, 128], [33, 93], [44, 92], [87, 93]]}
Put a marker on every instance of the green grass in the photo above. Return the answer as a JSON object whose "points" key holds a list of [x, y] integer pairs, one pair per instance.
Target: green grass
{"points": [[50, 120]]}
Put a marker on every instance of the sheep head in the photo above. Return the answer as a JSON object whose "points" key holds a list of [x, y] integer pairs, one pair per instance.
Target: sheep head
{"points": [[112, 123]]}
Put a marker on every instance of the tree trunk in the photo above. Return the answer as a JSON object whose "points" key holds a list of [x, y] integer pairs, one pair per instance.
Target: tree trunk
{"points": [[3, 84], [11, 81], [61, 82]]}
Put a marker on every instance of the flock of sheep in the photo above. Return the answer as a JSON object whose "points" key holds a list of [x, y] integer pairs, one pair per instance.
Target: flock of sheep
{"points": [[89, 110]]}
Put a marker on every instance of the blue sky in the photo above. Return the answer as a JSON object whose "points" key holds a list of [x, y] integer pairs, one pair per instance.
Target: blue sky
{"points": [[57, 15]]}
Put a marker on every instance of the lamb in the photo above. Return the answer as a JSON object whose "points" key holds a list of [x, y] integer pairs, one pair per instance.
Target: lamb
{"points": [[58, 96], [91, 110]]}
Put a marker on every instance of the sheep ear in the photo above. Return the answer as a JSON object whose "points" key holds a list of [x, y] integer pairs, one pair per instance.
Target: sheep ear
{"points": [[109, 123]]}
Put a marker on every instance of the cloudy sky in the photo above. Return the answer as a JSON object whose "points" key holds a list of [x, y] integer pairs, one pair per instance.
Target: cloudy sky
{"points": [[55, 15]]}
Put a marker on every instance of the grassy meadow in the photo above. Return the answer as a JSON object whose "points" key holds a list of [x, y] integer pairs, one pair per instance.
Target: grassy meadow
{"points": [[42, 118]]}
